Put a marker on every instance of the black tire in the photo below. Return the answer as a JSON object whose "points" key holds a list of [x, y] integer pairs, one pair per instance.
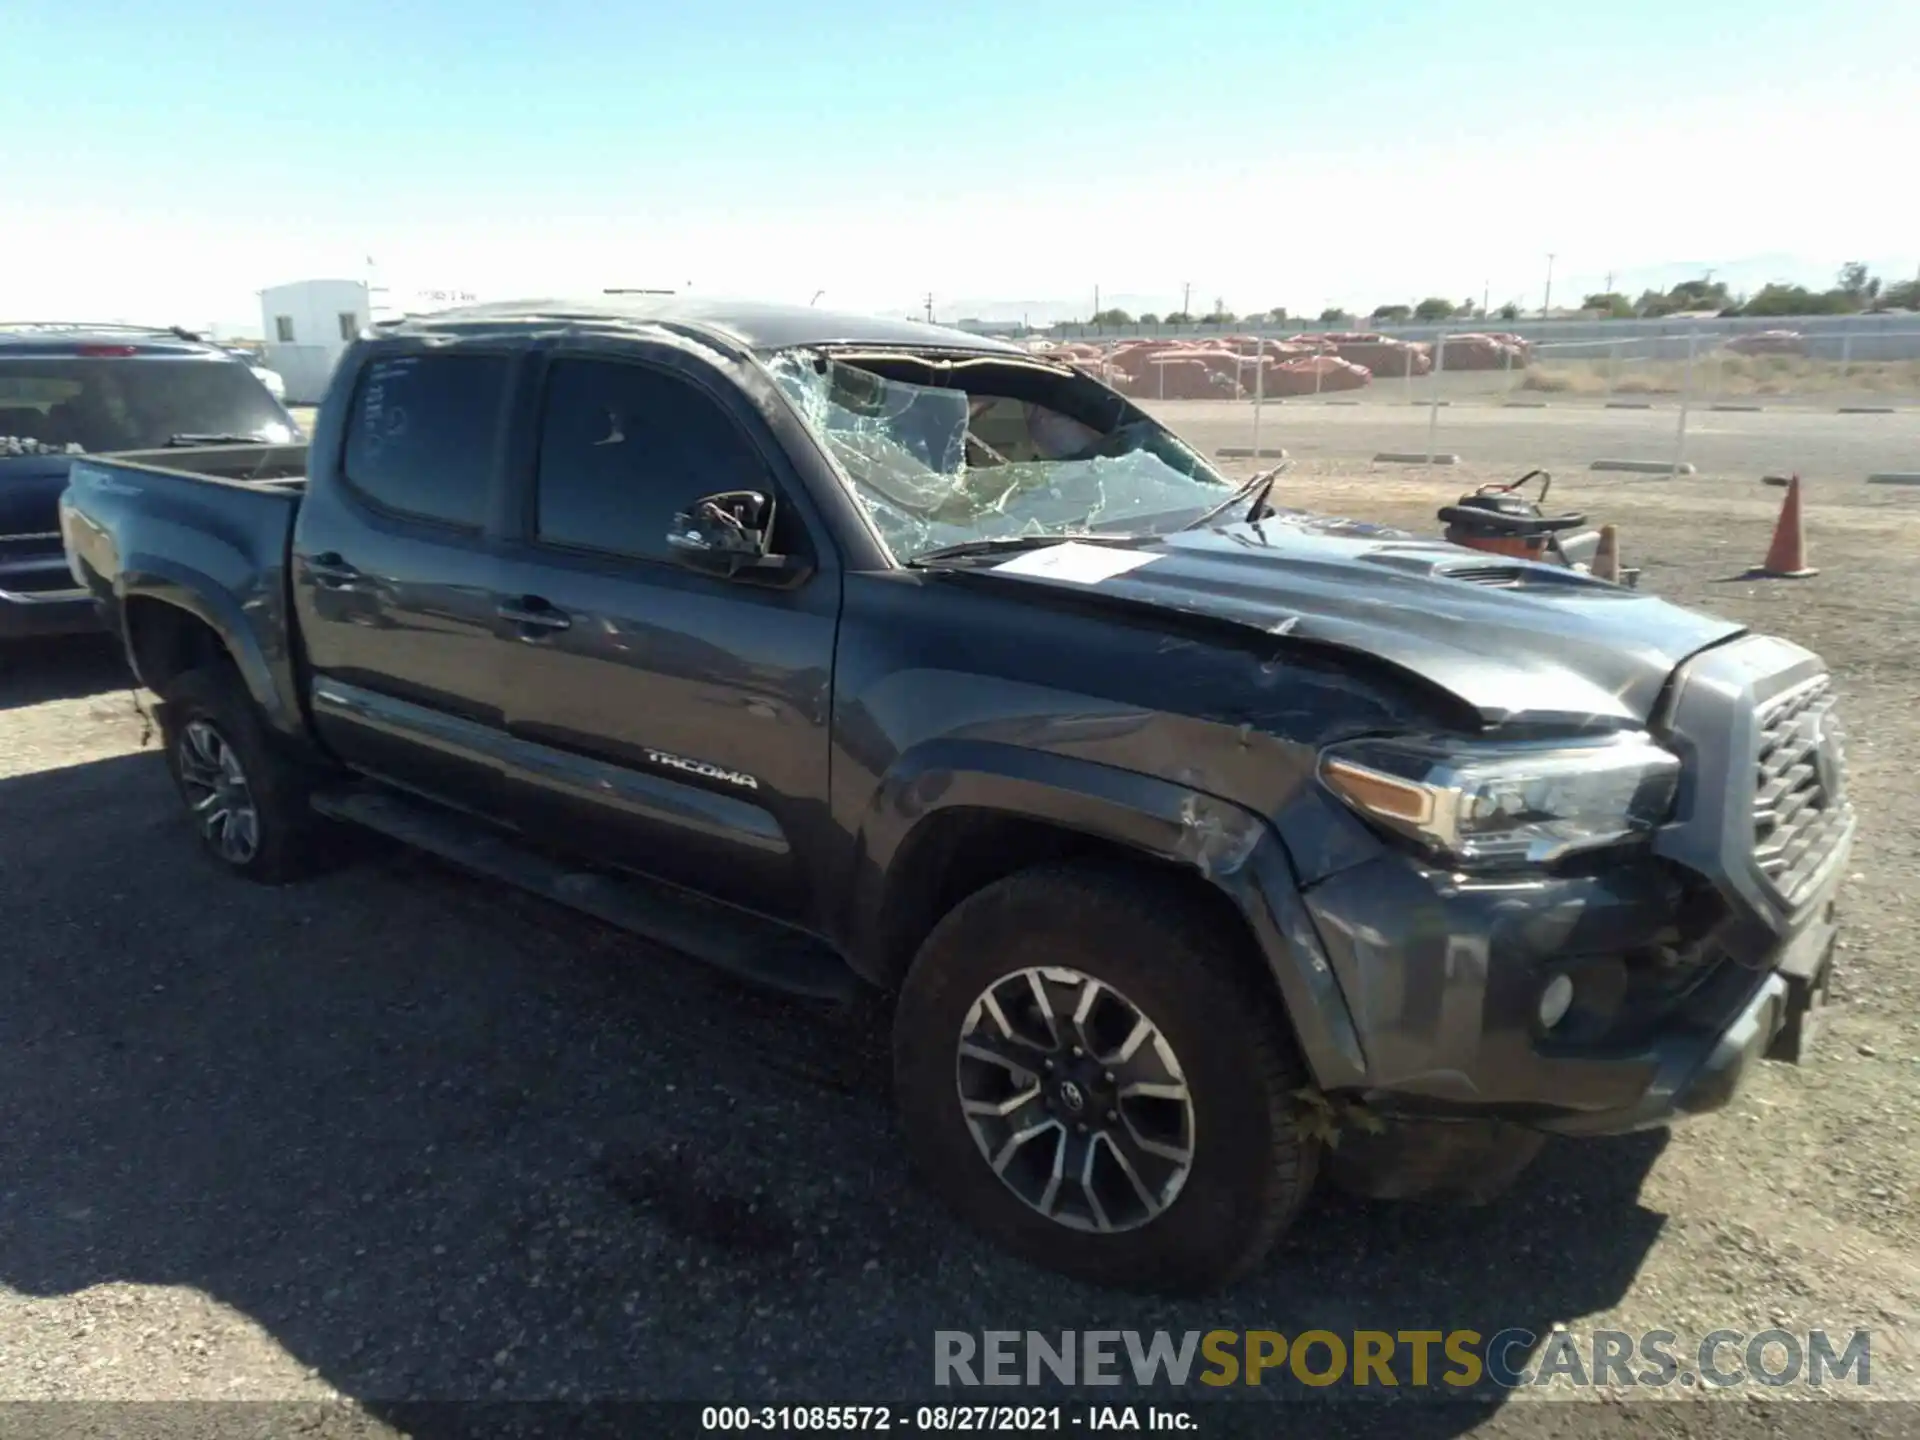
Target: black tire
{"points": [[1250, 1167], [288, 838]]}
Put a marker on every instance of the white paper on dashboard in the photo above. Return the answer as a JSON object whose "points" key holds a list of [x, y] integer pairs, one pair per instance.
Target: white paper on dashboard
{"points": [[1076, 563]]}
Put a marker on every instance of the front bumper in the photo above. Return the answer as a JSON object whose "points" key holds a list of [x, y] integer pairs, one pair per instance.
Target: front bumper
{"points": [[1687, 965], [1444, 979]]}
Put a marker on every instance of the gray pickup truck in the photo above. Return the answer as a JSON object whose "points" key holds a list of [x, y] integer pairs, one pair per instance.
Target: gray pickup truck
{"points": [[858, 655]]}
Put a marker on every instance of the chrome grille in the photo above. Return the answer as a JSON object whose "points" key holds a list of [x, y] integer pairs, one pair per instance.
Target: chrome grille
{"points": [[1800, 805]]}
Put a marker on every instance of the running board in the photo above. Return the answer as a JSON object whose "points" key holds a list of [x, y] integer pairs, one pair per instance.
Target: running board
{"points": [[756, 950]]}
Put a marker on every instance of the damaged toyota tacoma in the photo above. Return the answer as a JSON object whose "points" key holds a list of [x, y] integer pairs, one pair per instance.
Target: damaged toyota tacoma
{"points": [[1186, 835]]}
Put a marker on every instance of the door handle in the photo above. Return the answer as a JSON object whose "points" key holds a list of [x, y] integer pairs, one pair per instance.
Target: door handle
{"points": [[331, 570], [533, 612]]}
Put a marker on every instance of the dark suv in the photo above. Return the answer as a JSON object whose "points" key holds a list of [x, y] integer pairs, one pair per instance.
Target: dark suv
{"points": [[72, 389]]}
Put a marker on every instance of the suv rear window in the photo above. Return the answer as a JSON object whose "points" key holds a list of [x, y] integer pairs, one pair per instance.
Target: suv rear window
{"points": [[130, 402]]}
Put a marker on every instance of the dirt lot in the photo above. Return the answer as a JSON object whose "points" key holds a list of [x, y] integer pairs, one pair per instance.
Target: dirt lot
{"points": [[399, 1135]]}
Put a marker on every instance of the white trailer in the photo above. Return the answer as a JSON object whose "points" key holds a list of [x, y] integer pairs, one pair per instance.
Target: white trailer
{"points": [[308, 326]]}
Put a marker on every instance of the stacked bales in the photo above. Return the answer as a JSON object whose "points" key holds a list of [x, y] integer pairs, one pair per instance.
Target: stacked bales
{"points": [[1380, 355]]}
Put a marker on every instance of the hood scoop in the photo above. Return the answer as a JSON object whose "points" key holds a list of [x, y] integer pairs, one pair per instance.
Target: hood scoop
{"points": [[1449, 562], [1500, 577]]}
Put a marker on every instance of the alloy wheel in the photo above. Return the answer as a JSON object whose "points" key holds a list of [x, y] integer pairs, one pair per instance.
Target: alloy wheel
{"points": [[217, 792], [1076, 1099]]}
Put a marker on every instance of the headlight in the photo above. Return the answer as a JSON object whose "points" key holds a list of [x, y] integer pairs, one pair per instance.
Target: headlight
{"points": [[1482, 806]]}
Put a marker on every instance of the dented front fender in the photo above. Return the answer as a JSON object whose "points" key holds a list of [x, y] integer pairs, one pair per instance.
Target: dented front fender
{"points": [[1222, 844]]}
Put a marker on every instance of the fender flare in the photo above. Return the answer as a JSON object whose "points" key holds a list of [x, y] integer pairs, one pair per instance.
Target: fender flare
{"points": [[268, 676], [1229, 847]]}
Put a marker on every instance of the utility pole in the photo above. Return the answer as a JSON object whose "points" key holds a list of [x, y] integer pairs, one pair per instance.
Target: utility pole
{"points": [[1186, 298], [1096, 302], [929, 307], [1486, 294], [1609, 282], [1546, 302]]}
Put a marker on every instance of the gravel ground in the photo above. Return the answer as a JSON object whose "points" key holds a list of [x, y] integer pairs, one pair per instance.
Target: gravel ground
{"points": [[396, 1135]]}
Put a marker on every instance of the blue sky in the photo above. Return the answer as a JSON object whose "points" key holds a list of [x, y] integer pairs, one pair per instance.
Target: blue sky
{"points": [[179, 157]]}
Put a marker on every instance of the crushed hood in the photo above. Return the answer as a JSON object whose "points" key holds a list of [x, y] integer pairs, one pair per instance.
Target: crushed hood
{"points": [[1508, 638]]}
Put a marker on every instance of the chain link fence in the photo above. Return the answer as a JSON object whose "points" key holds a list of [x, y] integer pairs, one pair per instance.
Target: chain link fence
{"points": [[1837, 395]]}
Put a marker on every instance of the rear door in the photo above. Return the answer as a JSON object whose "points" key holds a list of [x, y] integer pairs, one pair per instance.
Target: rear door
{"points": [[670, 721], [395, 569]]}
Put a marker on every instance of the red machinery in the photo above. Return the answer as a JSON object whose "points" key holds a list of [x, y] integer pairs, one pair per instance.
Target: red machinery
{"points": [[1501, 520]]}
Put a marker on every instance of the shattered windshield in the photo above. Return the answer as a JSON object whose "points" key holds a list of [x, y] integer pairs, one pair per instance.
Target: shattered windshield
{"points": [[946, 465]]}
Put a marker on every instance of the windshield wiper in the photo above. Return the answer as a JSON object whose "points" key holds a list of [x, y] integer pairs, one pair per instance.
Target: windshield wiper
{"points": [[175, 442], [1001, 543], [1259, 487]]}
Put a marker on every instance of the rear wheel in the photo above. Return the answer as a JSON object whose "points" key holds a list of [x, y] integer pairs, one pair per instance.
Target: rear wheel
{"points": [[247, 800], [1092, 1077]]}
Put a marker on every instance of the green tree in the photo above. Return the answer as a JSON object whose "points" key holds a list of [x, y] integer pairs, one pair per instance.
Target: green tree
{"points": [[1509, 311], [1178, 317], [1277, 315], [1777, 300], [1149, 318], [1902, 295], [1392, 313], [1701, 294], [1611, 304], [1334, 315], [1433, 308], [1857, 284], [1218, 316], [1112, 318]]}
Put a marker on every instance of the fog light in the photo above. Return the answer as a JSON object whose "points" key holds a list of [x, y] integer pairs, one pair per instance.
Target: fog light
{"points": [[1556, 998]]}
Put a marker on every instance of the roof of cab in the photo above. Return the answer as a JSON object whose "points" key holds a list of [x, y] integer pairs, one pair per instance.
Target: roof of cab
{"points": [[747, 323]]}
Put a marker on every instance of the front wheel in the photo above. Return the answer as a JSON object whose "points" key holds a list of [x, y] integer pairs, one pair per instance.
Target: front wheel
{"points": [[1092, 1077]]}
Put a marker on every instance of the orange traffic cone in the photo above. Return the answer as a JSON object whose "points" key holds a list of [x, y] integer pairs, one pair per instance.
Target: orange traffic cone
{"points": [[1787, 556], [1606, 556]]}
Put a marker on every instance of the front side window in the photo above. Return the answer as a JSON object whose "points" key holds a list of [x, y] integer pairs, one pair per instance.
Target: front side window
{"points": [[420, 438], [283, 329], [624, 448]]}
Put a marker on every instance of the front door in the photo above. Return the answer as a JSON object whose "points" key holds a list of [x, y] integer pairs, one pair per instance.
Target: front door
{"points": [[666, 720]]}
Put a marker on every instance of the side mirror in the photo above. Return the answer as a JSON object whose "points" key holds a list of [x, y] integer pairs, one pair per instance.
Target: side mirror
{"points": [[731, 533]]}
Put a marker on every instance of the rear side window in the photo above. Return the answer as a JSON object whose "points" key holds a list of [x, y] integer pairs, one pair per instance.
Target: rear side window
{"points": [[420, 440], [624, 447]]}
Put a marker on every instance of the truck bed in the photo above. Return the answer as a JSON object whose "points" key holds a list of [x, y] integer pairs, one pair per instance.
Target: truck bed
{"points": [[279, 467], [207, 530]]}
